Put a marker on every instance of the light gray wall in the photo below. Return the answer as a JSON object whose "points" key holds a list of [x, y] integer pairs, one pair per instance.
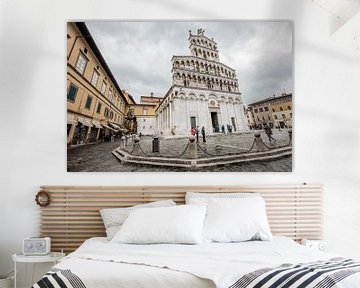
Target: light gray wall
{"points": [[33, 110]]}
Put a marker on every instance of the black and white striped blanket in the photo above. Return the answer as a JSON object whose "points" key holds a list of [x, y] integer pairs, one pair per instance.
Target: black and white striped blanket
{"points": [[320, 274], [59, 278]]}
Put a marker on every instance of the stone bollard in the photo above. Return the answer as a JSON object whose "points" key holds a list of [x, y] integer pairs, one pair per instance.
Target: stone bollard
{"points": [[122, 142], [193, 153], [136, 146], [290, 136], [259, 144]]}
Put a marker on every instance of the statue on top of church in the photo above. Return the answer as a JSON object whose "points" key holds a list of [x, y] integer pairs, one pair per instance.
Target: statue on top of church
{"points": [[200, 32]]}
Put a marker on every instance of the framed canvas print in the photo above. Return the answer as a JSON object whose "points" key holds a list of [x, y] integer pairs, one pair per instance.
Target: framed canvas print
{"points": [[179, 96]]}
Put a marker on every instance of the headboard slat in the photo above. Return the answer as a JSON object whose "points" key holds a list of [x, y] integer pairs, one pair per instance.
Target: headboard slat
{"points": [[73, 216]]}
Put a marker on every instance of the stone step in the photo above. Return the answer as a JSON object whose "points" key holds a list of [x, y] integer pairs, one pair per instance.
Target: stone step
{"points": [[273, 154]]}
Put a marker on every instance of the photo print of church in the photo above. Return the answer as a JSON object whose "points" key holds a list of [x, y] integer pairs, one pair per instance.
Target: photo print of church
{"points": [[179, 96]]}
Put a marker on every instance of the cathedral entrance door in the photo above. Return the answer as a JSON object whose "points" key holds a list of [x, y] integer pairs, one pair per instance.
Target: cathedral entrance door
{"points": [[193, 122], [215, 121]]}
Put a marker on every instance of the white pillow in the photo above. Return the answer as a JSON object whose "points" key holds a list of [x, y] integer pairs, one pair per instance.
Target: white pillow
{"points": [[113, 218], [204, 198], [236, 220], [180, 224]]}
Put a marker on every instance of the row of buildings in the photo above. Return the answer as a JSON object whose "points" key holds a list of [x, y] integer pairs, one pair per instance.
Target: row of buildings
{"points": [[275, 111], [97, 108], [204, 93]]}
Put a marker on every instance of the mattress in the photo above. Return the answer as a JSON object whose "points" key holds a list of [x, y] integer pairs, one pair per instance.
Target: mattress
{"points": [[99, 263]]}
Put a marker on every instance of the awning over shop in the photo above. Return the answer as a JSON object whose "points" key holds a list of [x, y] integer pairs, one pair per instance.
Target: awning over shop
{"points": [[115, 126], [85, 121], [71, 119], [96, 124], [118, 128], [107, 127]]}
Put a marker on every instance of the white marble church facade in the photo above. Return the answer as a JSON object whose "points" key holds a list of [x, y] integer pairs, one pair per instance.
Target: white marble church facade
{"points": [[204, 93]]}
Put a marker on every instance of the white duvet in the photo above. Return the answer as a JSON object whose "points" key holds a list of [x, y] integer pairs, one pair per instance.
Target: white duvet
{"points": [[100, 263]]}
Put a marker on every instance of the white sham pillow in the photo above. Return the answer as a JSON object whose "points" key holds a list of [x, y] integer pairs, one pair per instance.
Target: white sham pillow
{"points": [[113, 218], [236, 220], [172, 225], [204, 198]]}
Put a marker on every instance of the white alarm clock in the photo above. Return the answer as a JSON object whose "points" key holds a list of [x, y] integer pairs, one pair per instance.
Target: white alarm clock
{"points": [[320, 245], [36, 246]]}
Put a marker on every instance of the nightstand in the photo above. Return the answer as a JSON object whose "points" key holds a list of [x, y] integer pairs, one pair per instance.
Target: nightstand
{"points": [[320, 245], [53, 257]]}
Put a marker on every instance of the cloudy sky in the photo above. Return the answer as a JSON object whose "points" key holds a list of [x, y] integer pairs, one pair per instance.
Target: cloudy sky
{"points": [[139, 53]]}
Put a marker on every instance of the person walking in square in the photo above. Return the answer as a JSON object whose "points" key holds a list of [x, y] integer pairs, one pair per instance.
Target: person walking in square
{"points": [[268, 132], [197, 134], [192, 131], [203, 134]]}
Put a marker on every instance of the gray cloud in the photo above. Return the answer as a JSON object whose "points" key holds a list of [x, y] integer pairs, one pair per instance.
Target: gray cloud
{"points": [[139, 53]]}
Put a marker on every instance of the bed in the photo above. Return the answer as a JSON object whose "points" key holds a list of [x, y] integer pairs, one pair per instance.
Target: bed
{"points": [[294, 211]]}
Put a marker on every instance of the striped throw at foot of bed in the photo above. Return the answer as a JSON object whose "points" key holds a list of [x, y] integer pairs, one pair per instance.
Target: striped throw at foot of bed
{"points": [[320, 274]]}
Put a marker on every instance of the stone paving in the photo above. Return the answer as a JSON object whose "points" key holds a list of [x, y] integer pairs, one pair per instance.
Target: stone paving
{"points": [[215, 145], [98, 157]]}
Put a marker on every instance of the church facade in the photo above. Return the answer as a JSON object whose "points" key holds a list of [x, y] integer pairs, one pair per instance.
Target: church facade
{"points": [[204, 93]]}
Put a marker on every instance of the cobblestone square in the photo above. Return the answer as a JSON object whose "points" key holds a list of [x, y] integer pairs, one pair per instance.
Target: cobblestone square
{"points": [[98, 157]]}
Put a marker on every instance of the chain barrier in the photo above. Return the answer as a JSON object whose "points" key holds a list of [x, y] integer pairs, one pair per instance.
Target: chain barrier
{"points": [[210, 154], [225, 154], [252, 146], [182, 153], [159, 155], [141, 150], [276, 147]]}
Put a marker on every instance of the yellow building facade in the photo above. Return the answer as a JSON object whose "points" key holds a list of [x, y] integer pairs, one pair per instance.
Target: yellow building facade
{"points": [[272, 111], [145, 114], [96, 106]]}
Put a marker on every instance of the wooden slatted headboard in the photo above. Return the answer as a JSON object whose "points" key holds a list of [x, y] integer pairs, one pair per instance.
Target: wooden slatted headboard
{"points": [[73, 215]]}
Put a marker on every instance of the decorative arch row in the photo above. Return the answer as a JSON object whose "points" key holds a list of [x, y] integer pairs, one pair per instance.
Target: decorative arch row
{"points": [[204, 53], [203, 42], [200, 66], [191, 79], [198, 97], [203, 97]]}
